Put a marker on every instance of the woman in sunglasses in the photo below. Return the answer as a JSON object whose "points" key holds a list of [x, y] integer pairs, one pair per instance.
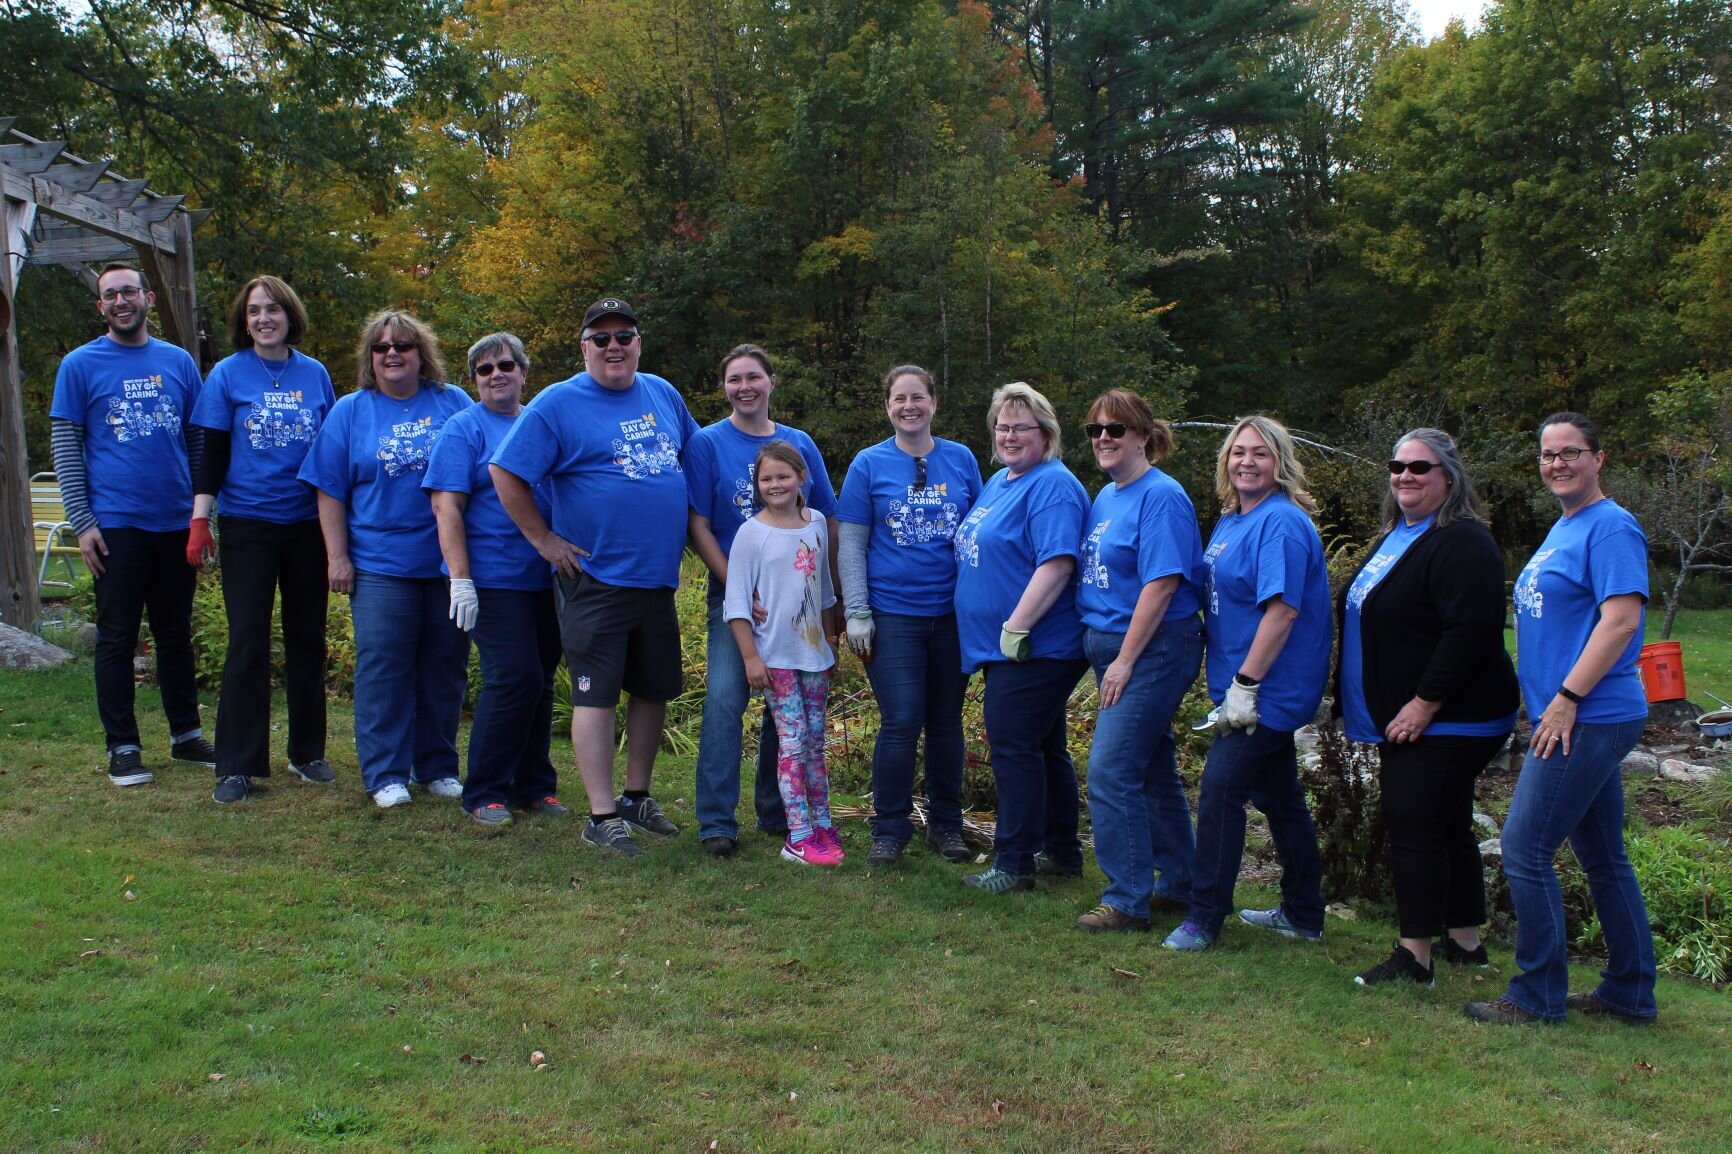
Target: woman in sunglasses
{"points": [[1138, 595], [382, 549], [501, 594], [900, 509], [261, 409], [1424, 675], [1579, 608]]}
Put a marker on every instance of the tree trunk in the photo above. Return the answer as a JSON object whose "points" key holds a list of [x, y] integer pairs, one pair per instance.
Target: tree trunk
{"points": [[19, 601]]}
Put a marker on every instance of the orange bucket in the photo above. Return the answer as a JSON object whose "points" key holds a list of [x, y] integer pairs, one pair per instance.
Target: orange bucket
{"points": [[1661, 666]]}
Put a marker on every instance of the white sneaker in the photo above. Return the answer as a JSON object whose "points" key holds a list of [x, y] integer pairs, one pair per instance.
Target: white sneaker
{"points": [[444, 787], [387, 796]]}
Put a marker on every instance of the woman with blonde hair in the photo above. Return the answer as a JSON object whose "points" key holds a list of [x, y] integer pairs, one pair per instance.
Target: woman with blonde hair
{"points": [[1266, 617]]}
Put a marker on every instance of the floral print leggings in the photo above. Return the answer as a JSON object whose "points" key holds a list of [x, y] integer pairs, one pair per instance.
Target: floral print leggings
{"points": [[797, 700]]}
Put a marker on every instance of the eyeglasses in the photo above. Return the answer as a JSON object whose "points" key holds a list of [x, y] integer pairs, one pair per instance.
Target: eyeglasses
{"points": [[919, 474], [1114, 429], [488, 368], [129, 292], [602, 340], [1547, 457], [380, 348], [1417, 468], [1019, 430]]}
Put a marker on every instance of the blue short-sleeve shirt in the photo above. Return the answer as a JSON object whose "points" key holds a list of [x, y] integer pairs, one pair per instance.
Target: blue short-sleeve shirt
{"points": [[500, 556], [719, 464], [910, 555], [272, 412], [1138, 533]]}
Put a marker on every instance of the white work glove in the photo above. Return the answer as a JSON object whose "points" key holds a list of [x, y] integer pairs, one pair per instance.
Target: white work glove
{"points": [[1014, 644], [1239, 708], [465, 605], [860, 632]]}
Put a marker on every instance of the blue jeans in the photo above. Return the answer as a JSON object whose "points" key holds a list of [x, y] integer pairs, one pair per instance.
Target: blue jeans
{"points": [[1260, 768], [1037, 793], [518, 637], [726, 696], [917, 678], [410, 669], [1579, 797], [1142, 820]]}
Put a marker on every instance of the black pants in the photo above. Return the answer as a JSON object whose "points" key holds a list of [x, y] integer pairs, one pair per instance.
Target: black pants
{"points": [[144, 572], [1428, 812], [258, 557]]}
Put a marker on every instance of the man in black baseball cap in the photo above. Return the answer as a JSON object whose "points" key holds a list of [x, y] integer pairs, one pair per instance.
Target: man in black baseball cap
{"points": [[608, 442]]}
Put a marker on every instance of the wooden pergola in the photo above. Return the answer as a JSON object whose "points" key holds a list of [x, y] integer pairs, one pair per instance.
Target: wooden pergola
{"points": [[61, 210]]}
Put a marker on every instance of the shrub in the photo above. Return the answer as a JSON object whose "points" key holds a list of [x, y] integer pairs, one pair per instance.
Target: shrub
{"points": [[1345, 804], [1687, 885]]}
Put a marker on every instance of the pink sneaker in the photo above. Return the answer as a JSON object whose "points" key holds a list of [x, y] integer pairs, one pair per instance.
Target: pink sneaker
{"points": [[810, 850], [833, 840]]}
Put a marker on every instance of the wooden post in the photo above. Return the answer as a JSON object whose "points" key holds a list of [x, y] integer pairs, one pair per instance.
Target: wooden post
{"points": [[19, 603]]}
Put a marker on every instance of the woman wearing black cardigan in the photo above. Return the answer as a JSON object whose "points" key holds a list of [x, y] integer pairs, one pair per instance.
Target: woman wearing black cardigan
{"points": [[1424, 674]]}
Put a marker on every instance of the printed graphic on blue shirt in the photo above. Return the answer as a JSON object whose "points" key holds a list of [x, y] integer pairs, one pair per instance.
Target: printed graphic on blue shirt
{"points": [[280, 419], [923, 515], [406, 448], [641, 450], [968, 537], [143, 410], [1528, 598], [1093, 570]]}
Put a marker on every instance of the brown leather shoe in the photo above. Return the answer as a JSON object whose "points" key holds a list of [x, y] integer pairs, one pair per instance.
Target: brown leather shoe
{"points": [[1502, 1012], [1590, 1004], [1105, 919]]}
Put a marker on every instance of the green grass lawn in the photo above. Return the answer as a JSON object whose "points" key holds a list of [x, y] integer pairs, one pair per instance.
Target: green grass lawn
{"points": [[1706, 635], [304, 972]]}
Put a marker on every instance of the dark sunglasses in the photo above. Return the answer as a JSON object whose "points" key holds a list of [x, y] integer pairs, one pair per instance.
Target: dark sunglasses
{"points": [[1114, 429], [602, 340], [1417, 468], [919, 474], [380, 348], [488, 368]]}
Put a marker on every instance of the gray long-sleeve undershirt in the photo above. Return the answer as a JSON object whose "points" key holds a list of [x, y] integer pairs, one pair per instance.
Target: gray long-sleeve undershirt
{"points": [[851, 559]]}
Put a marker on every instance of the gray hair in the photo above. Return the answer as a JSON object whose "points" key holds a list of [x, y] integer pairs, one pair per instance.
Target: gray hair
{"points": [[491, 341], [1460, 501], [1023, 394]]}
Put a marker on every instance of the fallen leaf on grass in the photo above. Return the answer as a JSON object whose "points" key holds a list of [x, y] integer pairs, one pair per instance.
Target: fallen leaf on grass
{"points": [[215, 1077], [788, 965], [1337, 910], [128, 879], [390, 1009], [1644, 1067], [997, 1108], [1131, 974], [472, 1059], [708, 1096], [129, 896], [793, 1096], [91, 954], [408, 1049], [537, 1058], [1365, 1043], [575, 884], [754, 886]]}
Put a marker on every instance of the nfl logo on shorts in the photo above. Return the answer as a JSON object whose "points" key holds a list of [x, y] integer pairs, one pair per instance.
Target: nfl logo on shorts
{"points": [[583, 685]]}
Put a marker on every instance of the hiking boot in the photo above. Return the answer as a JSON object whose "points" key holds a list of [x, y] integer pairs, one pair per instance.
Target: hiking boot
{"points": [[1591, 1005], [230, 789], [997, 881], [1276, 919], [645, 814], [1502, 1012], [194, 751], [1457, 954], [1105, 919], [550, 806], [1188, 938], [391, 796], [948, 844], [811, 850], [612, 835], [721, 845], [443, 787], [318, 771], [127, 768], [1045, 867], [1399, 966], [885, 851]]}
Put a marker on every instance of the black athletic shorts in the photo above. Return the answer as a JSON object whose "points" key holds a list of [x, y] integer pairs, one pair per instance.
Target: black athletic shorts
{"points": [[618, 638]]}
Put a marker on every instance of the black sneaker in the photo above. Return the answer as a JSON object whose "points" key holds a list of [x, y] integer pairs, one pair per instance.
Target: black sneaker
{"points": [[948, 844], [127, 768], [1047, 868], [1400, 966], [885, 851], [318, 771], [721, 845], [1457, 954], [231, 788], [612, 835], [645, 814], [195, 751]]}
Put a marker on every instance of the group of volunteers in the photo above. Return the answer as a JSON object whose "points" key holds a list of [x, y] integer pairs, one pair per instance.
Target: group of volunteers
{"points": [[555, 529]]}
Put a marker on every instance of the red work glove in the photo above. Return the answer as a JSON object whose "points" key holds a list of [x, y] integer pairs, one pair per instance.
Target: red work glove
{"points": [[199, 544]]}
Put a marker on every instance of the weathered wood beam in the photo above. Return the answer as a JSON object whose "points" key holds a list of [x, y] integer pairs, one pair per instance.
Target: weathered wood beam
{"points": [[19, 601], [32, 157], [197, 216], [118, 191], [78, 175], [155, 209], [6, 123], [82, 249], [52, 200]]}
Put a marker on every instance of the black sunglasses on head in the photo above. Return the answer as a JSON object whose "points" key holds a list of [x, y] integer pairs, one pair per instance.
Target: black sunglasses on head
{"points": [[1114, 429], [602, 340], [1417, 468]]}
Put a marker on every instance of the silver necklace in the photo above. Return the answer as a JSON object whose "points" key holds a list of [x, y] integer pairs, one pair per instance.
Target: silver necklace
{"points": [[277, 377]]}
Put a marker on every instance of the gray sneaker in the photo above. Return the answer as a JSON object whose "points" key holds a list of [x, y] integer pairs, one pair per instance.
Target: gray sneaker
{"points": [[948, 844], [318, 771], [885, 851], [646, 815], [614, 836], [231, 788]]}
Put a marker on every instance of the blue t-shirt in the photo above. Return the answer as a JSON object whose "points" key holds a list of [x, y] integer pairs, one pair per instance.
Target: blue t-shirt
{"points": [[370, 454], [1272, 551], [718, 465], [500, 556], [1598, 552], [1015, 526], [272, 412], [613, 462], [133, 401], [910, 556], [1140, 533]]}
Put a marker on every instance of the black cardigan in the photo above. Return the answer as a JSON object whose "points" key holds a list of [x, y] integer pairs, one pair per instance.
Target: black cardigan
{"points": [[1433, 628]]}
